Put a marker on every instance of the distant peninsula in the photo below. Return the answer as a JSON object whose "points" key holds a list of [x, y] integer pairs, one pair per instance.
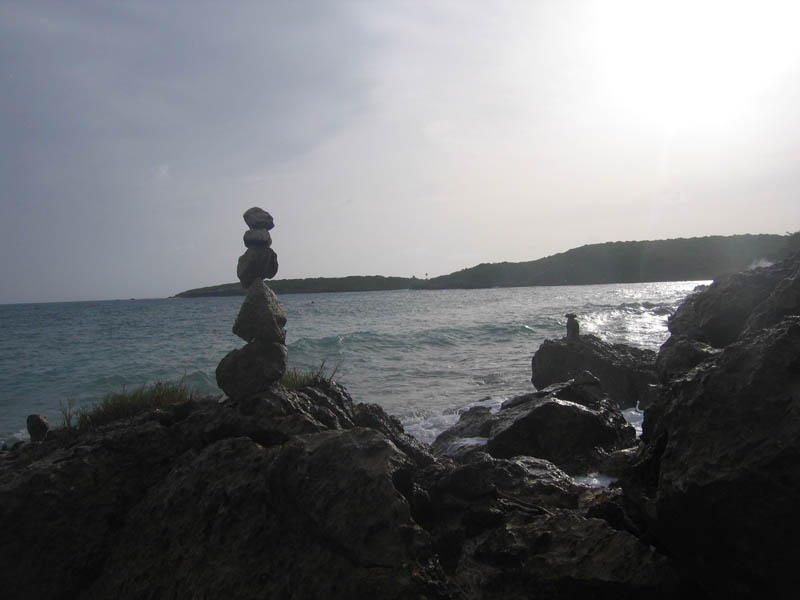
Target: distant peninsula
{"points": [[681, 259]]}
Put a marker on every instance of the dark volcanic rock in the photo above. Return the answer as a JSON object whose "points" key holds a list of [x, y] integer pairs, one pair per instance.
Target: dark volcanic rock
{"points": [[258, 262], [717, 315], [475, 422], [680, 354], [570, 424], [560, 431], [261, 316], [251, 369], [783, 301], [723, 464], [37, 427], [219, 473], [257, 237], [317, 517], [625, 372], [510, 529], [283, 495], [258, 218]]}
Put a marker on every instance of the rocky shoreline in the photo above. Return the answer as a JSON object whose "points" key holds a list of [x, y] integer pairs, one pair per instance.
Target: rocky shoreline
{"points": [[307, 494]]}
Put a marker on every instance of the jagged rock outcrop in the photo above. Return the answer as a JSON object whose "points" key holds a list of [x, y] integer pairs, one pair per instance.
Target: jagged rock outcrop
{"points": [[625, 372], [301, 494], [566, 424], [258, 365], [719, 473], [723, 465], [750, 300]]}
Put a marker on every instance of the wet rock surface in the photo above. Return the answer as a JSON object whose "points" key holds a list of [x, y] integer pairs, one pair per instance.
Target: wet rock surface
{"points": [[743, 301], [624, 371], [572, 424]]}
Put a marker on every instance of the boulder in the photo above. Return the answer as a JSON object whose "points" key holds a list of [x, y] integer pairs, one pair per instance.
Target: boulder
{"points": [[257, 218], [37, 427], [258, 262], [251, 369], [473, 424], [718, 314], [261, 316], [722, 465], [680, 354], [784, 299], [257, 237], [511, 528], [570, 424], [317, 517], [563, 432], [624, 371]]}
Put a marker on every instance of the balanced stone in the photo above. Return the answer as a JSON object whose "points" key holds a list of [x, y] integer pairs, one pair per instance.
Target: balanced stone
{"points": [[257, 218], [257, 237], [261, 316], [258, 262], [252, 369], [573, 329], [37, 427]]}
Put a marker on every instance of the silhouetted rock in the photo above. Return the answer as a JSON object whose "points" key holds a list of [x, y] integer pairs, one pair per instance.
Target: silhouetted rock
{"points": [[37, 427], [560, 431], [723, 465], [262, 362], [545, 425], [261, 316], [624, 371], [573, 329], [284, 494], [345, 534], [258, 218], [257, 237], [258, 262], [680, 354], [251, 369], [717, 315]]}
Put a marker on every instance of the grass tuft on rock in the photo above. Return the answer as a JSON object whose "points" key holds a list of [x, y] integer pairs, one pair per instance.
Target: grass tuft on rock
{"points": [[295, 379], [122, 405]]}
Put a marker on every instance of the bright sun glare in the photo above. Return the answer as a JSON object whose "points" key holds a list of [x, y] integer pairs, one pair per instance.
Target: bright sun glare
{"points": [[686, 64]]}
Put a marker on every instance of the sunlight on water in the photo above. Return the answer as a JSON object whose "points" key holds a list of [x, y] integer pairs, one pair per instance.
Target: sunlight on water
{"points": [[422, 355]]}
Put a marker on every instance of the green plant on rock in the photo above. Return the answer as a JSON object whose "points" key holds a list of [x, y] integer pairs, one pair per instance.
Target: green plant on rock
{"points": [[295, 379], [121, 405]]}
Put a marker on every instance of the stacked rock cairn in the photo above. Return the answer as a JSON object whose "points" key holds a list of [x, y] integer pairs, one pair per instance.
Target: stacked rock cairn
{"points": [[254, 368]]}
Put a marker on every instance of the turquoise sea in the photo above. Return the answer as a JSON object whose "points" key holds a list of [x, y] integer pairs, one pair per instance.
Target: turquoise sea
{"points": [[422, 355]]}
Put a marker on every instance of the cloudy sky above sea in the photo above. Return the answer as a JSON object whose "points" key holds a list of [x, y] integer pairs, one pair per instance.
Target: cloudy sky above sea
{"points": [[393, 138]]}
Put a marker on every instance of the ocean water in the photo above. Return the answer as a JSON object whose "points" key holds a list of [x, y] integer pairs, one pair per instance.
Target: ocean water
{"points": [[424, 356]]}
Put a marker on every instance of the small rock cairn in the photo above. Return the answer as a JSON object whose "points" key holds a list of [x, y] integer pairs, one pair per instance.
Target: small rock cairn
{"points": [[573, 329], [262, 361]]}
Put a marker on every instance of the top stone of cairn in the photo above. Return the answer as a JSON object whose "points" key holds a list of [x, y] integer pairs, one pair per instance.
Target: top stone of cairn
{"points": [[258, 218]]}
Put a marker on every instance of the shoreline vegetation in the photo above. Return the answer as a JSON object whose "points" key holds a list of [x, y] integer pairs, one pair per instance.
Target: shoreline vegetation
{"points": [[77, 420], [680, 259]]}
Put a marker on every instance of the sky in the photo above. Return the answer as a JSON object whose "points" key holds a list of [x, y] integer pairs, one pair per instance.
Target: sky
{"points": [[385, 138]]}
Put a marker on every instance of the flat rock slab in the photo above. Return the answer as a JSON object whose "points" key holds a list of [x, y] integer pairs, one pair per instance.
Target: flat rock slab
{"points": [[261, 316]]}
